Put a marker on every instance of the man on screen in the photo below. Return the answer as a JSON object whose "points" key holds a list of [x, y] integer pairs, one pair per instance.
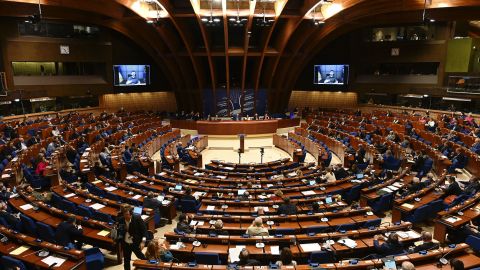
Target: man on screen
{"points": [[132, 78], [331, 77]]}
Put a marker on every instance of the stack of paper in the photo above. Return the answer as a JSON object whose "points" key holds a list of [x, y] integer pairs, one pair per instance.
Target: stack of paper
{"points": [[97, 206], [407, 205], [110, 188], [348, 242], [234, 253], [210, 207], [69, 195], [309, 192], [453, 219], [136, 197], [275, 250], [51, 260], [311, 247], [103, 233], [26, 206], [386, 189]]}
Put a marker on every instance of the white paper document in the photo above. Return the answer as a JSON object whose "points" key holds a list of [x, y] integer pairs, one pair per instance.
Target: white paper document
{"points": [[233, 253], [210, 207], [50, 260], [311, 247], [309, 192], [348, 242], [110, 188], [69, 195], [136, 197], [275, 250], [26, 206], [97, 206]]}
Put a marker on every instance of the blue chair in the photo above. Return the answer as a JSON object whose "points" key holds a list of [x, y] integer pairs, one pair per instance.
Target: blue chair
{"points": [[321, 257], [94, 259], [84, 211], [207, 258], [372, 223], [102, 217], [474, 242], [11, 263], [28, 225], [69, 206], [353, 194], [347, 227], [189, 206], [382, 204], [285, 231], [435, 207], [317, 229], [420, 214], [45, 232]]}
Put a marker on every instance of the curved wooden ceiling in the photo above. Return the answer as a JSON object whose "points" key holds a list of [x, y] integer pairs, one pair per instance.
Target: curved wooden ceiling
{"points": [[195, 55]]}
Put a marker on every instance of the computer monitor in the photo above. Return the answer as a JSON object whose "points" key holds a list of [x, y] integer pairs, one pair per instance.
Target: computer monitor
{"points": [[389, 263], [328, 200], [137, 210], [178, 187], [241, 191], [360, 176], [312, 182]]}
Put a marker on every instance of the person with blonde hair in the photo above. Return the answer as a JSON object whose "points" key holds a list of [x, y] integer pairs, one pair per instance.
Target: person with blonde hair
{"points": [[257, 229]]}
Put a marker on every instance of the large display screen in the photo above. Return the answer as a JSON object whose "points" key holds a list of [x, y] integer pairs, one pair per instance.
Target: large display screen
{"points": [[331, 74], [131, 75]]}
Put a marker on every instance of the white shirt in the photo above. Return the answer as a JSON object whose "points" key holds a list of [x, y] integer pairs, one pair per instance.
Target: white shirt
{"points": [[128, 237]]}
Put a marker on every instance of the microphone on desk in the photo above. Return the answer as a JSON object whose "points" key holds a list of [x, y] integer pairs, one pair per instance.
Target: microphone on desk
{"points": [[443, 260], [52, 265]]}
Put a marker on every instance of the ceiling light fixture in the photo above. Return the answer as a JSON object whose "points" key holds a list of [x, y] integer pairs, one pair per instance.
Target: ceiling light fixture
{"points": [[211, 21]]}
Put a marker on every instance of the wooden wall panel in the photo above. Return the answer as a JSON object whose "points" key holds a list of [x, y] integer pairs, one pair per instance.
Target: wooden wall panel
{"points": [[316, 99], [154, 101]]}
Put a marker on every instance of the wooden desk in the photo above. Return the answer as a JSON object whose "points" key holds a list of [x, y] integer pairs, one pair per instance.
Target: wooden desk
{"points": [[235, 127]]}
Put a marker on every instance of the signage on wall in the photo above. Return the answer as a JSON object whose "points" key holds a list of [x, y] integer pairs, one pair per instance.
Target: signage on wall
{"points": [[64, 49], [395, 52]]}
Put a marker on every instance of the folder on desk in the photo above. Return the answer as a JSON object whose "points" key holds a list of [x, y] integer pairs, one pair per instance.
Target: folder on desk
{"points": [[19, 250], [103, 233], [407, 205]]}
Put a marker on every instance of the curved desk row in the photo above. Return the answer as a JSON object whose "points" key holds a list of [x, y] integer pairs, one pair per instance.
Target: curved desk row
{"points": [[235, 127]]}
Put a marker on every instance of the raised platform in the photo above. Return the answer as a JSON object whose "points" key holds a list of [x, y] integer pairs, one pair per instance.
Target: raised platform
{"points": [[235, 127]]}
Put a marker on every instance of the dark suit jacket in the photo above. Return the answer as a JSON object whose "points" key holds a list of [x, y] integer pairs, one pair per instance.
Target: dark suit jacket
{"points": [[137, 229], [386, 248], [425, 246], [152, 203], [184, 227], [66, 232], [452, 189], [287, 209]]}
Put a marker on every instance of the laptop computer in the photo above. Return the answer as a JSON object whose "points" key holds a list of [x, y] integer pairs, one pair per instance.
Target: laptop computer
{"points": [[241, 191], [360, 176], [137, 210], [328, 200], [178, 187]]}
